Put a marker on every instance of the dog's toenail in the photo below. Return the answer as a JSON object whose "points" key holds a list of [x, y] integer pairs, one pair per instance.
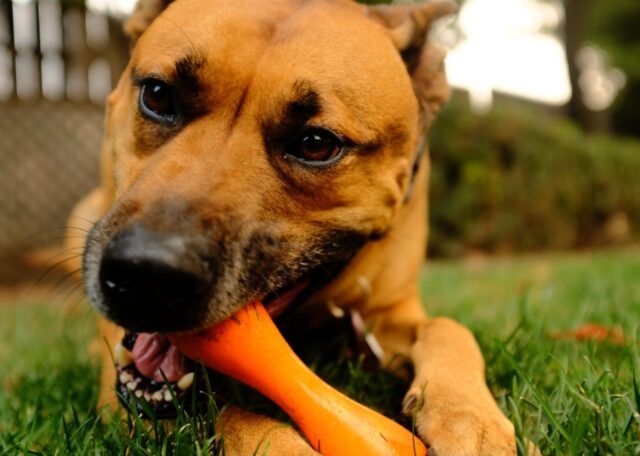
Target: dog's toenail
{"points": [[409, 404]]}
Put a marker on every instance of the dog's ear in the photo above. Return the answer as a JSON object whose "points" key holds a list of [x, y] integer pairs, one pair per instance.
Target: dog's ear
{"points": [[408, 26], [143, 15]]}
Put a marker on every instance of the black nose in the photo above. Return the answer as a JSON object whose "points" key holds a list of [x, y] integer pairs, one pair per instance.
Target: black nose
{"points": [[154, 281]]}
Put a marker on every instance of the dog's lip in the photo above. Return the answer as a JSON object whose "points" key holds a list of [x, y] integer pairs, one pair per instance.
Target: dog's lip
{"points": [[278, 301]]}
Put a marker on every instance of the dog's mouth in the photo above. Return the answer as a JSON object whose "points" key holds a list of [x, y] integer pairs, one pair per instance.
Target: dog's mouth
{"points": [[151, 371]]}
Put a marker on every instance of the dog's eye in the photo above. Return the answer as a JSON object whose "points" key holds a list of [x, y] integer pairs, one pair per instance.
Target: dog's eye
{"points": [[315, 146], [157, 101]]}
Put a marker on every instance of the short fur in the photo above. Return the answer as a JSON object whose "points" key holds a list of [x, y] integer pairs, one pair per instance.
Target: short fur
{"points": [[252, 74]]}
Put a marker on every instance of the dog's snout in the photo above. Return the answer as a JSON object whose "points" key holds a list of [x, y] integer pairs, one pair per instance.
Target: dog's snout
{"points": [[153, 281]]}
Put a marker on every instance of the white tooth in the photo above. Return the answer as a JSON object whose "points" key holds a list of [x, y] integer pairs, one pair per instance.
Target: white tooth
{"points": [[335, 310], [167, 396], [125, 377], [157, 396], [123, 356], [185, 382], [138, 393], [147, 396], [132, 385]]}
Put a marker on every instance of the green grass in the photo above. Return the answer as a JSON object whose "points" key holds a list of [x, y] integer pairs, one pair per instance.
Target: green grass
{"points": [[568, 397]]}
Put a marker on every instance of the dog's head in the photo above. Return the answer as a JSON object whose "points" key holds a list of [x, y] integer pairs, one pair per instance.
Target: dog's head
{"points": [[253, 148]]}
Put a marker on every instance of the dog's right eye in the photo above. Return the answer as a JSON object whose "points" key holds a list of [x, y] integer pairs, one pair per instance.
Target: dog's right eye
{"points": [[315, 147], [157, 101]]}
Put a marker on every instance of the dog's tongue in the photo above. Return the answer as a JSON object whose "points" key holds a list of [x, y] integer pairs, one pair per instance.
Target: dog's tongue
{"points": [[153, 353]]}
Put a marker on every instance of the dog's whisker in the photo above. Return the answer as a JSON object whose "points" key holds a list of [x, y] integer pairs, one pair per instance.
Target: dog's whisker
{"points": [[60, 240], [51, 268], [68, 276], [75, 289], [35, 238], [82, 219]]}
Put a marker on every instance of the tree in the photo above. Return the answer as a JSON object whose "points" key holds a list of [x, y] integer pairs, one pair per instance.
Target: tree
{"points": [[576, 13], [613, 25]]}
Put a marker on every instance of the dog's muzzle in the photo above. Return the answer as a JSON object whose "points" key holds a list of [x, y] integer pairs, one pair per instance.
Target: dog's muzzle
{"points": [[153, 281]]}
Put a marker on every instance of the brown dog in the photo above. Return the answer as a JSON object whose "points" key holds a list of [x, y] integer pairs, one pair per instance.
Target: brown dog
{"points": [[271, 149]]}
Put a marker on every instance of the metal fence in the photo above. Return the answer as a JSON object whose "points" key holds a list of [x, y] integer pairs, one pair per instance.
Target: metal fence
{"points": [[58, 61]]}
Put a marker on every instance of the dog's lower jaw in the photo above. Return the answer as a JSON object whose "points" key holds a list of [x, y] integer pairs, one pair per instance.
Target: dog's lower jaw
{"points": [[149, 368]]}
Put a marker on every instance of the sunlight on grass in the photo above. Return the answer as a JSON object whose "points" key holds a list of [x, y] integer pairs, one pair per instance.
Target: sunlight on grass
{"points": [[569, 397]]}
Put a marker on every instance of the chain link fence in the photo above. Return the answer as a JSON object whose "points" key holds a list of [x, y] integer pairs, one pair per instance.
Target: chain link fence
{"points": [[57, 63], [49, 159]]}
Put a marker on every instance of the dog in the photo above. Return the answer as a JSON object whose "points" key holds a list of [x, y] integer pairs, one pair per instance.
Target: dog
{"points": [[273, 150]]}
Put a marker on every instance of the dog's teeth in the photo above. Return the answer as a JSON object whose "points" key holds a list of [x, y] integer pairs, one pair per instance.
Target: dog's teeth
{"points": [[123, 356], [131, 385], [157, 396], [125, 377], [185, 382], [335, 310], [147, 396], [138, 393], [167, 396]]}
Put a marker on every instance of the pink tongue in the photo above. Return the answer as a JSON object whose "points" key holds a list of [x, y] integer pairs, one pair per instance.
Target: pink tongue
{"points": [[153, 353]]}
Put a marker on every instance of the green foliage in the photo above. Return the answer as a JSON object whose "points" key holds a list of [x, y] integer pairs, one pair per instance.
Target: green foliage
{"points": [[522, 178], [613, 25]]}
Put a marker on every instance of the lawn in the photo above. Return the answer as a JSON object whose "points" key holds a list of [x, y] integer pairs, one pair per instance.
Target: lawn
{"points": [[567, 396]]}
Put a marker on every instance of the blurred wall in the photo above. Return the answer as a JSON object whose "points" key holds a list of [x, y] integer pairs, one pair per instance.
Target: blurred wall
{"points": [[58, 62]]}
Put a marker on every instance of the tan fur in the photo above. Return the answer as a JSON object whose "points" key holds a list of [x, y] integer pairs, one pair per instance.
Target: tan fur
{"points": [[249, 73]]}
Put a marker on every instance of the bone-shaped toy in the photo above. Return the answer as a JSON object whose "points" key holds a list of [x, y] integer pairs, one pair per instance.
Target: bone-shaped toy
{"points": [[249, 348]]}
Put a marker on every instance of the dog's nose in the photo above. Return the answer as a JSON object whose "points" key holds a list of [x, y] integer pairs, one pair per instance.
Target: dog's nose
{"points": [[153, 281]]}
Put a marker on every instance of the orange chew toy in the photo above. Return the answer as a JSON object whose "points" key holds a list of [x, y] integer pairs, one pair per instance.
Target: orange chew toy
{"points": [[249, 348]]}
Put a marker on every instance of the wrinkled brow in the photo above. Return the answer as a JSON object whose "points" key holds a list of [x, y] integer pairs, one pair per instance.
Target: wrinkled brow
{"points": [[186, 72], [303, 105]]}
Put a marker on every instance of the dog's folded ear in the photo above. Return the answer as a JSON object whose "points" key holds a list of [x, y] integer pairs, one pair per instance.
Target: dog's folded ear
{"points": [[408, 26], [143, 15]]}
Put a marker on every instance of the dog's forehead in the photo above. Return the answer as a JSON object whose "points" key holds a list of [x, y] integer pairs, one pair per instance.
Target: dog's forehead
{"points": [[253, 58], [331, 40]]}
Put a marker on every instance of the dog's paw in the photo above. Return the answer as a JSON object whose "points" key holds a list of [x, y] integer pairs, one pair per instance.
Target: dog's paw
{"points": [[461, 427]]}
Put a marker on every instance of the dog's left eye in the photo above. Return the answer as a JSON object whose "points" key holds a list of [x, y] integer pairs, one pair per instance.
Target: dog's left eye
{"points": [[157, 101], [315, 146]]}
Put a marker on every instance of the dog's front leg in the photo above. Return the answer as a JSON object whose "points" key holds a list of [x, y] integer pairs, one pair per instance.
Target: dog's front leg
{"points": [[245, 433], [454, 411]]}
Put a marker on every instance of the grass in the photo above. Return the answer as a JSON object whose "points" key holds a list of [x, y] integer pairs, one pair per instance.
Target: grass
{"points": [[568, 397]]}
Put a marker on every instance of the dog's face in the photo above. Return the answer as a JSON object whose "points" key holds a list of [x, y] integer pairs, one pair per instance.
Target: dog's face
{"points": [[255, 147]]}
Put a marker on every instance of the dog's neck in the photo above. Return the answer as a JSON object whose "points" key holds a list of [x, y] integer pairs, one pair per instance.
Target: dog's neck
{"points": [[415, 168], [386, 271]]}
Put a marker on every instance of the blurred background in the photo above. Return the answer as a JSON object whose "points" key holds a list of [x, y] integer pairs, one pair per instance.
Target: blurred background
{"points": [[538, 150]]}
